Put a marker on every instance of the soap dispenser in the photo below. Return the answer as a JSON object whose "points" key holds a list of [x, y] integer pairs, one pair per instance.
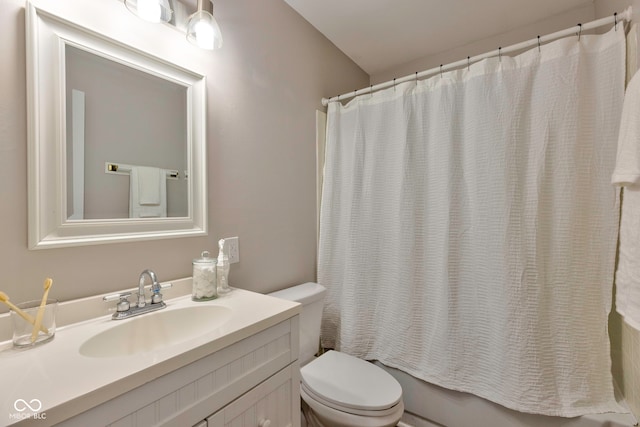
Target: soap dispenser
{"points": [[222, 270], [204, 278]]}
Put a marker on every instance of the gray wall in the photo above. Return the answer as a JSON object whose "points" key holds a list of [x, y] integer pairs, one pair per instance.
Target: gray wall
{"points": [[263, 89], [477, 47]]}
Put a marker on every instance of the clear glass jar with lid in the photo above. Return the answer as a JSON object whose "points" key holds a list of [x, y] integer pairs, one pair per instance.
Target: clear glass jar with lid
{"points": [[204, 278]]}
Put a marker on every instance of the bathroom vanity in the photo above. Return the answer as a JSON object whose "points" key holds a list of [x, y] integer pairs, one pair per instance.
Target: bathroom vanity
{"points": [[241, 371]]}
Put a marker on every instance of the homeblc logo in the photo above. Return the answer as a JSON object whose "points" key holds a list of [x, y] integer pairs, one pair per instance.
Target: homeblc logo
{"points": [[28, 409]]}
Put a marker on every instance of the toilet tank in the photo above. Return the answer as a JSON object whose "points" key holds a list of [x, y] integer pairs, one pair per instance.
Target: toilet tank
{"points": [[311, 296]]}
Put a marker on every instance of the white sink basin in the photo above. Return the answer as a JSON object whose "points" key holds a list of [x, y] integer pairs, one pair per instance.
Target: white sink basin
{"points": [[155, 330]]}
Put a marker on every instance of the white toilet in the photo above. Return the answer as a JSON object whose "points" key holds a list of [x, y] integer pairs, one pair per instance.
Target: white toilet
{"points": [[339, 390]]}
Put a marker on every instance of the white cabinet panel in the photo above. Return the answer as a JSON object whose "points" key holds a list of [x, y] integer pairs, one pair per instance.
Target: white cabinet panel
{"points": [[273, 403]]}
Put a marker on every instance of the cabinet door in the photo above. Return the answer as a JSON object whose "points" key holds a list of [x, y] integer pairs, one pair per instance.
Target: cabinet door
{"points": [[273, 403]]}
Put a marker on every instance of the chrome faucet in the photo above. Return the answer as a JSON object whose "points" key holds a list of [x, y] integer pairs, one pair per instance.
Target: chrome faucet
{"points": [[124, 308], [155, 287]]}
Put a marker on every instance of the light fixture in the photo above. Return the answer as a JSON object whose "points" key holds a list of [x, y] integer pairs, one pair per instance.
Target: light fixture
{"points": [[150, 10], [202, 28]]}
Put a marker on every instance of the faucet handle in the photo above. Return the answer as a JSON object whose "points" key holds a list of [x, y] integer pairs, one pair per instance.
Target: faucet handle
{"points": [[157, 296], [123, 303], [160, 286]]}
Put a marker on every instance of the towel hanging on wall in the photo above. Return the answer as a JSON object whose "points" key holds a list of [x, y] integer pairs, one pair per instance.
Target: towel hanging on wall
{"points": [[627, 175]]}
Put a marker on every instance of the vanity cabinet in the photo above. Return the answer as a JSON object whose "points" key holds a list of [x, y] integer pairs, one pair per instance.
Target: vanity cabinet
{"points": [[269, 404], [253, 382]]}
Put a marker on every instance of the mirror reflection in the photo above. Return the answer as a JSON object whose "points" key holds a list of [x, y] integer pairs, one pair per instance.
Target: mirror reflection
{"points": [[127, 141]]}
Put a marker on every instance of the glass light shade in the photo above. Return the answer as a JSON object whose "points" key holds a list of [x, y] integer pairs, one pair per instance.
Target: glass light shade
{"points": [[150, 10], [203, 30]]}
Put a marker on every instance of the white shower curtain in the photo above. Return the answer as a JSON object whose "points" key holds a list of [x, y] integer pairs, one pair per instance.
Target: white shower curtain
{"points": [[468, 227]]}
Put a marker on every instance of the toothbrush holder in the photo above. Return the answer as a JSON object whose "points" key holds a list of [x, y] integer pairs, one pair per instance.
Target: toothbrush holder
{"points": [[22, 328]]}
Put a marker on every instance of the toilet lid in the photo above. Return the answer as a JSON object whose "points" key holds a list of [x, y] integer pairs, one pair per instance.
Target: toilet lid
{"points": [[351, 383]]}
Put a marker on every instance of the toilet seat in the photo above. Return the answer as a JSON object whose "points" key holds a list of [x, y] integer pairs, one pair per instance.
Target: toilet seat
{"points": [[304, 391], [319, 415], [351, 385]]}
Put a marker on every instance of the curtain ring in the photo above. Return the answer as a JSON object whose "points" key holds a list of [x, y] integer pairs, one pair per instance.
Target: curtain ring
{"points": [[615, 20], [538, 43], [440, 70], [579, 31], [371, 90], [468, 63], [500, 54], [416, 78], [394, 84]]}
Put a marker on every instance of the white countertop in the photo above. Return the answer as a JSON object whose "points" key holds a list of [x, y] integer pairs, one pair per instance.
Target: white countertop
{"points": [[67, 383]]}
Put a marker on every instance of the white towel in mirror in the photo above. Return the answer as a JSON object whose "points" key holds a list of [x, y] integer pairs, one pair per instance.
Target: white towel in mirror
{"points": [[147, 192]]}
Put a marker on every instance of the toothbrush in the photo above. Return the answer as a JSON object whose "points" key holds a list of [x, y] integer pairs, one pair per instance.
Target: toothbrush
{"points": [[4, 298], [36, 326]]}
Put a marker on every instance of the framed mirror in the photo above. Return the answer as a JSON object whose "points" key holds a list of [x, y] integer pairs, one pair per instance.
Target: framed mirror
{"points": [[116, 148]]}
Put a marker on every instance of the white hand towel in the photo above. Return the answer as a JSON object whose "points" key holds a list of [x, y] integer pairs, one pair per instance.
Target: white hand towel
{"points": [[147, 192], [627, 174], [149, 185]]}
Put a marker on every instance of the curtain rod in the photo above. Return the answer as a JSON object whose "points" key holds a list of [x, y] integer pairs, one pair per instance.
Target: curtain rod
{"points": [[613, 19]]}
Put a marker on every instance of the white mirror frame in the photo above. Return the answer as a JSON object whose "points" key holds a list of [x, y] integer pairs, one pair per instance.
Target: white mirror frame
{"points": [[50, 27]]}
